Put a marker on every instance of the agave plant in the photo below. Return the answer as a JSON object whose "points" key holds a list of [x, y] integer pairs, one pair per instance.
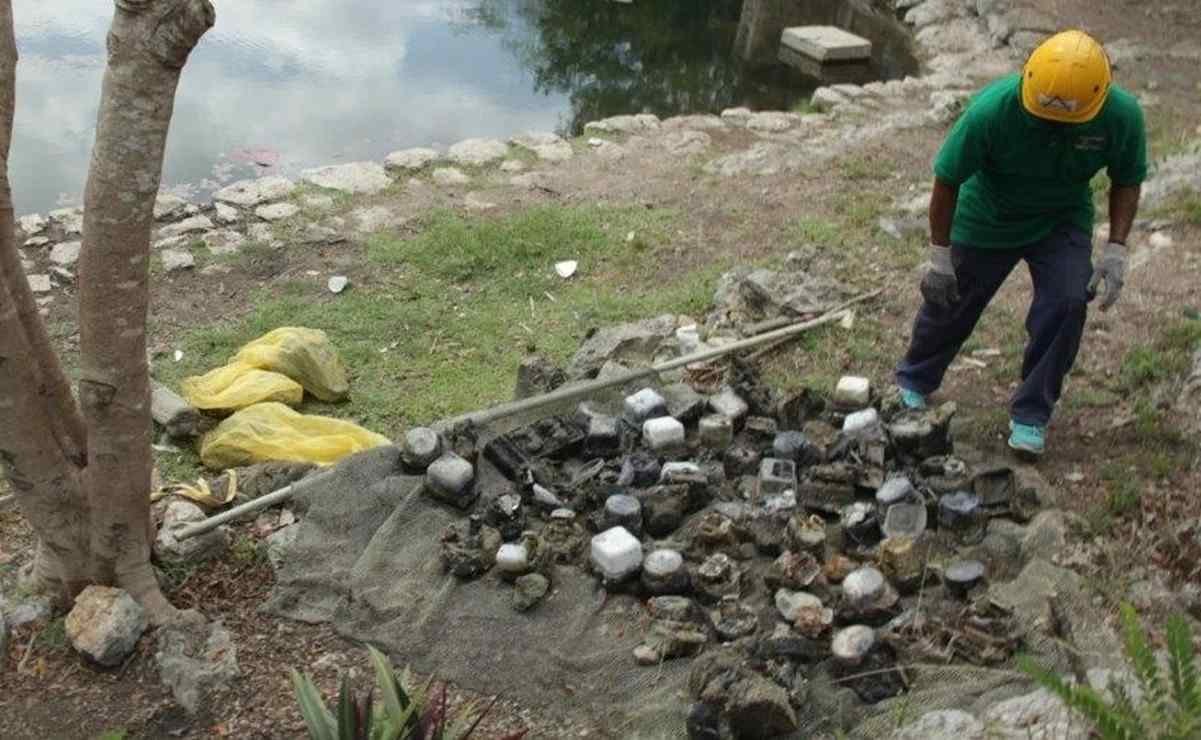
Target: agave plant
{"points": [[1165, 709], [406, 712]]}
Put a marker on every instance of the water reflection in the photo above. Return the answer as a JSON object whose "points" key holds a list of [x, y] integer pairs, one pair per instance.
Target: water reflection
{"points": [[308, 82]]}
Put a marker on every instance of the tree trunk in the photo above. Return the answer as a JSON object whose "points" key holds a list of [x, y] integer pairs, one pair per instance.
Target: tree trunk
{"points": [[148, 44], [83, 481]]}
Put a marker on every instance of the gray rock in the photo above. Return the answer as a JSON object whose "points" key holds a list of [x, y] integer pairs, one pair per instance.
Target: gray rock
{"points": [[946, 724], [1046, 536], [696, 121], [449, 176], [634, 343], [278, 543], [764, 158], [355, 178], [623, 124], [70, 220], [105, 624], [249, 193], [512, 166], [549, 147], [277, 211], [36, 242], [338, 283], [34, 223], [1039, 715], [758, 708], [421, 448], [1027, 594], [687, 141], [177, 259], [39, 283], [193, 225], [225, 241], [373, 218], [477, 152], [180, 514], [537, 375], [30, 609], [529, 591], [451, 479], [226, 214], [168, 206], [772, 121], [736, 116], [610, 151], [196, 660], [411, 160], [66, 254]]}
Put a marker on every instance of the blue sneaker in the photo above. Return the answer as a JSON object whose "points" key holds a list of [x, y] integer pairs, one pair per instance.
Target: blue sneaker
{"points": [[912, 400], [1027, 439]]}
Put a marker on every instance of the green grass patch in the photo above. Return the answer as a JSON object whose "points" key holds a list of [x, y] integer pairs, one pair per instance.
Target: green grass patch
{"points": [[446, 317], [1167, 356]]}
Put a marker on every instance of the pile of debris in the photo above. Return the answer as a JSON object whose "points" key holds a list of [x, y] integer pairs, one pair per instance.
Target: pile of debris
{"points": [[781, 538]]}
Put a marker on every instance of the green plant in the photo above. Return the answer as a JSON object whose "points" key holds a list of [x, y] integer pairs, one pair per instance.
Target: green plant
{"points": [[1164, 707], [406, 712]]}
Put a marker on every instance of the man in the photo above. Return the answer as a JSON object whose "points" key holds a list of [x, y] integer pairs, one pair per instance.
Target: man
{"points": [[1012, 183]]}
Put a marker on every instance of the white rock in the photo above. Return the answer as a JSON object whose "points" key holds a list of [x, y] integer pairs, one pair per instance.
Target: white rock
{"points": [[373, 218], [566, 268], [70, 219], [946, 724], [790, 603], [1160, 240], [248, 193], [39, 283], [193, 225], [861, 423], [66, 254], [105, 624], [610, 151], [477, 152], [853, 392], [34, 223], [852, 644], [772, 121], [826, 43], [1039, 715], [226, 214], [36, 242], [550, 147], [277, 211], [643, 405], [624, 124], [278, 543], [338, 283], [616, 554], [365, 178], [736, 116], [512, 165], [169, 205], [513, 559], [662, 434], [411, 160], [729, 404], [450, 176], [318, 202], [696, 122], [177, 259], [662, 563], [687, 142], [224, 241]]}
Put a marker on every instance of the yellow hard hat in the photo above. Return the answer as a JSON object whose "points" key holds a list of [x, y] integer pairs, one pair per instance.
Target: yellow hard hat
{"points": [[1067, 78]]}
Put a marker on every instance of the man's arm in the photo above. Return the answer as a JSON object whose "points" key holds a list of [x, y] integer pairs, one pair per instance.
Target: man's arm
{"points": [[942, 212], [1123, 207]]}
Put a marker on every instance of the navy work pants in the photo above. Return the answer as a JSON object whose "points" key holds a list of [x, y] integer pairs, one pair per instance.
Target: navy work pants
{"points": [[1060, 266]]}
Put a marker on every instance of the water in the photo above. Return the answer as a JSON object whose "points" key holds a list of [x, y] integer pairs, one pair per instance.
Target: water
{"points": [[280, 85]]}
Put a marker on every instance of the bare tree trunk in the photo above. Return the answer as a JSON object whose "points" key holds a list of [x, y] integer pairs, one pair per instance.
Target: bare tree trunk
{"points": [[148, 44], [41, 431]]}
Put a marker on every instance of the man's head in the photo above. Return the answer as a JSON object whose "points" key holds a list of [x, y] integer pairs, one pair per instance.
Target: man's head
{"points": [[1066, 79]]}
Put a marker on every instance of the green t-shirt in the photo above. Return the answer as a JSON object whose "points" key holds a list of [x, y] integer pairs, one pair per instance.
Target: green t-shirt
{"points": [[1022, 176]]}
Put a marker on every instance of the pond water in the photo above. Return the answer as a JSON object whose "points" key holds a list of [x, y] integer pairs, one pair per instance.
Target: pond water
{"points": [[279, 85]]}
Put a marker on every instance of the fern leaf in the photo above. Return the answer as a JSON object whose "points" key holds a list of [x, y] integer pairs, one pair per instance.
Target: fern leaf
{"points": [[1146, 668], [1107, 720], [317, 718], [1182, 660], [346, 712]]}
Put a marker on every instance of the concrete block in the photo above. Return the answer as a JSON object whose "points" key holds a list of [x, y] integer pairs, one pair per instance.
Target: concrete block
{"points": [[852, 392], [895, 490], [663, 434], [776, 476], [623, 511], [513, 560], [663, 572], [861, 424], [729, 404], [421, 448], [451, 479], [643, 405], [827, 43], [616, 554], [716, 431], [604, 436]]}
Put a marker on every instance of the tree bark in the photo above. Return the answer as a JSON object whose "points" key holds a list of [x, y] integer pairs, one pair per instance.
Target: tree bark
{"points": [[148, 44]]}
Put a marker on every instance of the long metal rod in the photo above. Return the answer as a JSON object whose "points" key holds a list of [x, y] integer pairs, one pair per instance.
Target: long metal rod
{"points": [[569, 393]]}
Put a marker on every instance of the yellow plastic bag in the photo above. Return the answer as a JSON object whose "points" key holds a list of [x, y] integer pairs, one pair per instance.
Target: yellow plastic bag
{"points": [[238, 385], [272, 431], [304, 355]]}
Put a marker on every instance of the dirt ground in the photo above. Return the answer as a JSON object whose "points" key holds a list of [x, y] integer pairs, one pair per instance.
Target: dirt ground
{"points": [[1126, 459]]}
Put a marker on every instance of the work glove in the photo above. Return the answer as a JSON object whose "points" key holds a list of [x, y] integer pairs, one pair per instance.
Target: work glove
{"points": [[1111, 270], [939, 285]]}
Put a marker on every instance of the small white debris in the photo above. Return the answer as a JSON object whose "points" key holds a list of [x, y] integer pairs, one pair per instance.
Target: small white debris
{"points": [[566, 268], [1074, 477], [178, 355], [616, 554], [853, 392], [1160, 240], [594, 142], [338, 283]]}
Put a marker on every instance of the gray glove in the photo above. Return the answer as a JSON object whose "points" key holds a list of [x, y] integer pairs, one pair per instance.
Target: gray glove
{"points": [[939, 285], [1111, 270]]}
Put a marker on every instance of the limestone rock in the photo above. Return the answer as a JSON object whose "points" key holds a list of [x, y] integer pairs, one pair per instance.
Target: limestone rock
{"points": [[226, 214], [697, 122], [180, 514], [223, 241], [277, 211], [411, 160], [105, 624], [610, 152], [549, 147], [529, 590], [764, 158], [278, 543], [196, 660], [168, 206], [355, 178], [193, 225], [175, 260], [623, 124], [450, 176], [1039, 715], [249, 193], [34, 223], [946, 724], [477, 152], [39, 283], [66, 254], [1046, 536], [686, 142], [373, 218], [70, 220], [634, 342], [758, 708], [772, 121]]}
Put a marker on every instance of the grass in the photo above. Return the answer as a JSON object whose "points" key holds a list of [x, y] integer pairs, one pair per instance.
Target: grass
{"points": [[1169, 355], [442, 323]]}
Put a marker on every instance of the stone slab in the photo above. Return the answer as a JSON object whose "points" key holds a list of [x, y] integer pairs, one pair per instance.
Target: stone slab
{"points": [[826, 43]]}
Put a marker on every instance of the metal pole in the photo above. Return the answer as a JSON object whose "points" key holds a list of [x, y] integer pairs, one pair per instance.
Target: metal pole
{"points": [[569, 393]]}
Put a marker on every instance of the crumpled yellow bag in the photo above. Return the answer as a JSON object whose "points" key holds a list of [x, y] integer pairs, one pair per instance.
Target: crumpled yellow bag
{"points": [[304, 355], [272, 431], [238, 385]]}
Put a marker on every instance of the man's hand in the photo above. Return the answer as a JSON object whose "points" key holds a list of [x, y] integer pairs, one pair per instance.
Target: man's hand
{"points": [[1111, 270], [939, 285]]}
